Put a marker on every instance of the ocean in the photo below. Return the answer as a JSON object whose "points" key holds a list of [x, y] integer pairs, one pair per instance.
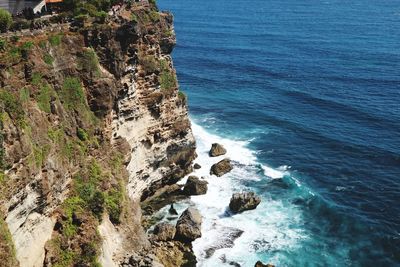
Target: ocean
{"points": [[305, 96]]}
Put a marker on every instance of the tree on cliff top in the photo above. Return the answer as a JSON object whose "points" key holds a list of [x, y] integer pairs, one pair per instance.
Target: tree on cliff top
{"points": [[5, 20]]}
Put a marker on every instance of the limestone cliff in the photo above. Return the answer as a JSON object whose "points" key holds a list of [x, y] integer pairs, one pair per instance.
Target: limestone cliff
{"points": [[92, 122]]}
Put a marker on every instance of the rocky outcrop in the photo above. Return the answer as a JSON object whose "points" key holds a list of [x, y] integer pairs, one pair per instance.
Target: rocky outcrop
{"points": [[217, 150], [188, 227], [244, 201], [164, 232], [222, 167], [195, 186], [260, 264], [149, 113]]}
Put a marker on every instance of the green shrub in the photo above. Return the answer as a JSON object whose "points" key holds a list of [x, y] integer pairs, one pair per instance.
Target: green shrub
{"points": [[5, 20], [44, 97], [89, 62], [12, 105], [48, 59], [154, 16], [55, 40], [182, 95], [72, 93], [101, 16], [113, 202], [24, 95], [82, 134], [15, 53], [3, 44], [36, 79], [167, 78], [27, 45], [7, 251], [134, 17], [55, 135]]}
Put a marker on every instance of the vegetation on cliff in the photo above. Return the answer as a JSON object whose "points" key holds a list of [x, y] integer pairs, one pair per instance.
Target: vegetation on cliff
{"points": [[58, 90], [52, 120]]}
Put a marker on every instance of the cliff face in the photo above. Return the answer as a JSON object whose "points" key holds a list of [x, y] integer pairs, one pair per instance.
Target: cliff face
{"points": [[92, 122]]}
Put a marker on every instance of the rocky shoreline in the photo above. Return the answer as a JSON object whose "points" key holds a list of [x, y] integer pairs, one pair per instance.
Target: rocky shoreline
{"points": [[188, 226]]}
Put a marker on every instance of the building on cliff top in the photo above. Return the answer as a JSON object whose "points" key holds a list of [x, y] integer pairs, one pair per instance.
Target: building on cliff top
{"points": [[38, 6]]}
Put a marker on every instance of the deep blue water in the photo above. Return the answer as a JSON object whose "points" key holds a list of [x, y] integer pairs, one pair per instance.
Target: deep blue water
{"points": [[314, 89]]}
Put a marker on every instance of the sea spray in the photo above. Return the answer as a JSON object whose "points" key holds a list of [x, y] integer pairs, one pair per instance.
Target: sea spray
{"points": [[272, 226]]}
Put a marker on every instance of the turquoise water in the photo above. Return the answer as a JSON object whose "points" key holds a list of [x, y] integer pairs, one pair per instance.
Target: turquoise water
{"points": [[305, 95]]}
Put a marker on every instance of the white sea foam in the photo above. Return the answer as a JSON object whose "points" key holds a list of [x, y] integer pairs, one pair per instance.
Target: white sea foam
{"points": [[274, 225]]}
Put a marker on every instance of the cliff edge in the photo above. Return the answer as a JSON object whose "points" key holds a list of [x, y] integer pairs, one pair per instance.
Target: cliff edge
{"points": [[92, 123]]}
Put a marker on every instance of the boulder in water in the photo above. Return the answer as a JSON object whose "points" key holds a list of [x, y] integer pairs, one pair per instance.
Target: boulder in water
{"points": [[260, 264], [195, 186], [197, 166], [244, 201], [217, 150], [172, 210], [164, 231], [188, 227], [221, 168]]}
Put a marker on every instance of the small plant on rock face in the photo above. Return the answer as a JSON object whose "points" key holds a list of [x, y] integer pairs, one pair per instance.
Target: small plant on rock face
{"points": [[55, 40], [82, 134], [72, 93], [44, 98], [48, 59], [89, 62], [148, 63], [167, 77], [134, 17], [3, 44]]}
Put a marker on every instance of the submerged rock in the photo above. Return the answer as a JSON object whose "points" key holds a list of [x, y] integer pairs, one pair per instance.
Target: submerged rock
{"points": [[221, 168], [197, 166], [164, 231], [195, 186], [188, 227], [217, 150], [244, 201], [260, 264]]}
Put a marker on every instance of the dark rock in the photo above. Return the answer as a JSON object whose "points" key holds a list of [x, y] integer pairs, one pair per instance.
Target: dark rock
{"points": [[188, 227], [172, 210], [244, 201], [164, 231], [260, 264], [217, 150], [197, 166], [221, 168], [195, 186]]}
